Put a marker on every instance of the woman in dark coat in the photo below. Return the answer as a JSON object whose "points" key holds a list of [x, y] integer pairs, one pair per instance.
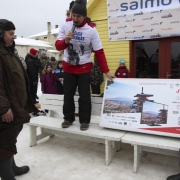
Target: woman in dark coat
{"points": [[15, 101]]}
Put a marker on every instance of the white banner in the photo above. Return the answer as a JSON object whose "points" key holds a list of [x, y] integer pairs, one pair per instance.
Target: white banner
{"points": [[143, 19], [142, 105]]}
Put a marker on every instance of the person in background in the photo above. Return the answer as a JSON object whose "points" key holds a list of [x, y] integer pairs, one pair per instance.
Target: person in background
{"points": [[54, 63], [60, 74], [122, 71], [15, 103], [68, 12], [32, 72], [77, 63], [96, 77], [44, 61], [38, 67], [49, 81], [21, 58]]}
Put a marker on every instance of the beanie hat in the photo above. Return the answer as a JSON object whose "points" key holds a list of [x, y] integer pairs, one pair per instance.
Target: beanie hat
{"points": [[43, 52], [33, 51], [122, 61], [71, 5], [53, 59], [79, 7], [49, 65]]}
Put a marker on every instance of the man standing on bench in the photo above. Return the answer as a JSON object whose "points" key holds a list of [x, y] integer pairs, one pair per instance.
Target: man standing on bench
{"points": [[77, 37]]}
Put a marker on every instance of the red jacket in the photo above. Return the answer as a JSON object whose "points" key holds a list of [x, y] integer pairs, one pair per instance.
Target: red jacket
{"points": [[122, 72]]}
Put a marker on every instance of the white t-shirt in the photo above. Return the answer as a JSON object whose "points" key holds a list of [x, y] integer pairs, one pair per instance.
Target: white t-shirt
{"points": [[80, 47]]}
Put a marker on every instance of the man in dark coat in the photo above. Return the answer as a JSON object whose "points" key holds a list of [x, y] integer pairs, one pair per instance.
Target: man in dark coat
{"points": [[15, 101], [31, 61]]}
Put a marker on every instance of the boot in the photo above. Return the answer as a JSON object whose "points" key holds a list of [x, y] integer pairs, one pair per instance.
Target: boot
{"points": [[174, 177], [19, 170], [6, 172]]}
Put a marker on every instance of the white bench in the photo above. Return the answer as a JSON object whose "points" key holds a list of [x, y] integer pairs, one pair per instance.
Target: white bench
{"points": [[151, 143], [50, 125]]}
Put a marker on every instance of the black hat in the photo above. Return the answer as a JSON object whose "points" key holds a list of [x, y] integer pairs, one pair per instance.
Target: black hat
{"points": [[79, 7], [49, 65], [71, 5], [53, 59]]}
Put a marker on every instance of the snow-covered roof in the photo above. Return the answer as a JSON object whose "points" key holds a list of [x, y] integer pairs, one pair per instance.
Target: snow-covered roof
{"points": [[52, 51], [53, 31], [32, 42]]}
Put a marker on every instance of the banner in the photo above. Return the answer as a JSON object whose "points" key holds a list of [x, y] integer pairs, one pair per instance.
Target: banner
{"points": [[143, 19], [142, 105]]}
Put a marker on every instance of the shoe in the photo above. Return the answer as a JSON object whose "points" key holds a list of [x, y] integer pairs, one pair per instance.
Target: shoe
{"points": [[66, 124], [84, 126], [174, 177], [20, 170], [41, 113]]}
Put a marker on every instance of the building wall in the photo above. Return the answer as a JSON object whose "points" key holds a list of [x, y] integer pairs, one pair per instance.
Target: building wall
{"points": [[113, 50]]}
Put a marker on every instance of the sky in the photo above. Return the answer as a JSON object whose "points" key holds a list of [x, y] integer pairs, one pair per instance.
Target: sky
{"points": [[31, 16]]}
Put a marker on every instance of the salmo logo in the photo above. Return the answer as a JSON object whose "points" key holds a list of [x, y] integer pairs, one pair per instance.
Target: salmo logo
{"points": [[145, 19], [174, 21], [121, 16], [130, 32], [148, 30], [114, 33], [156, 24], [122, 38], [137, 14], [114, 22], [157, 11], [138, 26], [156, 36], [144, 4], [130, 20], [121, 27], [167, 16], [141, 37]]}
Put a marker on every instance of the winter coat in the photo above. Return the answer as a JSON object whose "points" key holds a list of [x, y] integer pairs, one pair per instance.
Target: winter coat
{"points": [[59, 84], [43, 61], [48, 83], [96, 75], [122, 72], [31, 67]]}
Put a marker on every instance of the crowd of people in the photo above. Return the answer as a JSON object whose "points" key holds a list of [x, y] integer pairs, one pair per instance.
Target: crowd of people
{"points": [[19, 80]]}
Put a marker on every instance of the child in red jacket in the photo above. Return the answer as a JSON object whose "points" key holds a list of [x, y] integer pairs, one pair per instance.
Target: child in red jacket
{"points": [[122, 71]]}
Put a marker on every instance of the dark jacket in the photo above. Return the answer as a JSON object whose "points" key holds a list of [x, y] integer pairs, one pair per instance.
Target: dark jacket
{"points": [[31, 67], [59, 85]]}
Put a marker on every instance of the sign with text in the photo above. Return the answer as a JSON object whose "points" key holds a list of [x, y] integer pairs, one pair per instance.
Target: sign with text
{"points": [[143, 19], [142, 105]]}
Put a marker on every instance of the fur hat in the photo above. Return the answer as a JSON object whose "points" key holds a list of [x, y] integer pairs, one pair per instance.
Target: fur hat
{"points": [[33, 51], [42, 53], [79, 7]]}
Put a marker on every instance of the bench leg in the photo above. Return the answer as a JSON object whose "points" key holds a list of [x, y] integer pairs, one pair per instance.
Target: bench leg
{"points": [[50, 113], [137, 157], [33, 137], [108, 152]]}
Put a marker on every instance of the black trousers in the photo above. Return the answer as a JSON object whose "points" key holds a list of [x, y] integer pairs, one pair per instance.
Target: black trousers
{"points": [[95, 89], [71, 81], [33, 91]]}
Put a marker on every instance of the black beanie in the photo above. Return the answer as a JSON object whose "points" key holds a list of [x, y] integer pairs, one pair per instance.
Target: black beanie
{"points": [[79, 7], [71, 5]]}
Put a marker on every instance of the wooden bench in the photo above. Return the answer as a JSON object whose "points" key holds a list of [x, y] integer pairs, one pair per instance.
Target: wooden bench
{"points": [[50, 126], [151, 143]]}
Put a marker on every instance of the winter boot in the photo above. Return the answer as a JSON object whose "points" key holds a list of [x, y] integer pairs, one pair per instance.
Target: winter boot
{"points": [[174, 177], [6, 172], [19, 170]]}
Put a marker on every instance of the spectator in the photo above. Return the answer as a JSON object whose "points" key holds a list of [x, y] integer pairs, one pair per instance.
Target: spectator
{"points": [[15, 101], [122, 71], [77, 63], [49, 81], [96, 77], [54, 63], [32, 72], [60, 74], [44, 61]]}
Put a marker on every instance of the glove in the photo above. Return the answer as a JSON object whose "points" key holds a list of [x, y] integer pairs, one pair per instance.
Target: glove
{"points": [[35, 83]]}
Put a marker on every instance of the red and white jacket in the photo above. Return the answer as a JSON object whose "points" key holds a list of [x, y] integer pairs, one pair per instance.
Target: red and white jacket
{"points": [[77, 55]]}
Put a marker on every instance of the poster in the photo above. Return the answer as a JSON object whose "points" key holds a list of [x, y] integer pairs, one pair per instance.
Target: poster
{"points": [[142, 105], [143, 19]]}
